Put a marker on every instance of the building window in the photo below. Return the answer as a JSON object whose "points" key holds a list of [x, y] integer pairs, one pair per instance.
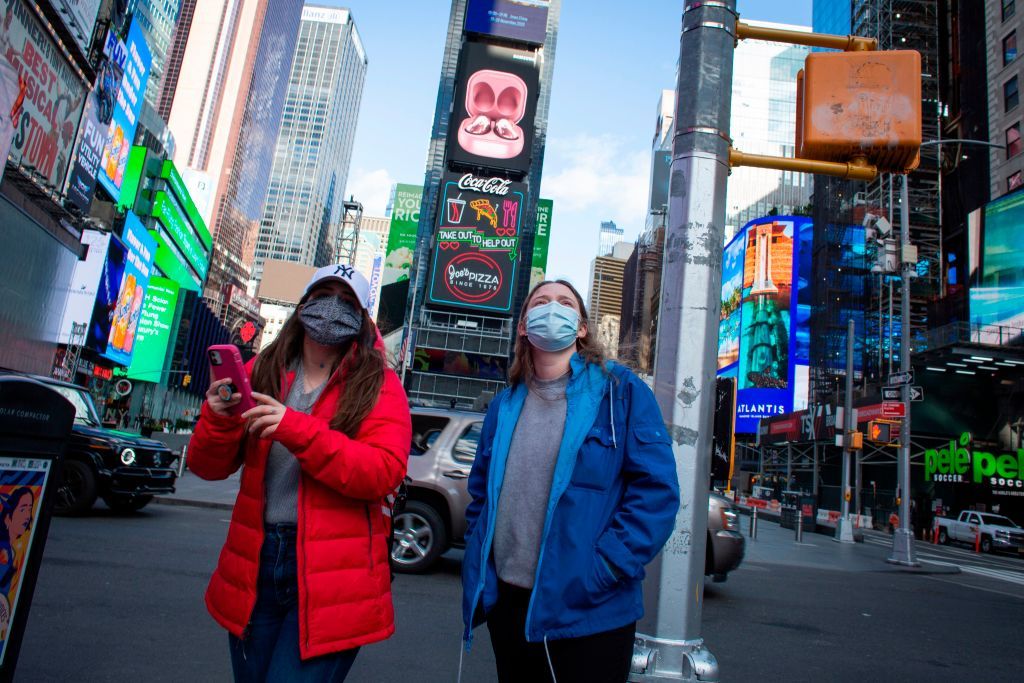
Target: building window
{"points": [[1011, 95], [1014, 146], [1009, 7], [1014, 181], [1009, 48]]}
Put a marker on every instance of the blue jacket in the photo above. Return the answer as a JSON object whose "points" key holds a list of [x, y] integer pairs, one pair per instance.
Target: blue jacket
{"points": [[614, 498]]}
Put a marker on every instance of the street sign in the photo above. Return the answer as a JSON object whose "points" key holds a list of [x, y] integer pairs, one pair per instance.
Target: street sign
{"points": [[893, 409], [897, 379], [916, 394], [891, 393]]}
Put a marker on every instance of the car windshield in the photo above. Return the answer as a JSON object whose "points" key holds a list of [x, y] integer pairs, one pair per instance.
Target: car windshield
{"points": [[84, 412], [999, 520]]}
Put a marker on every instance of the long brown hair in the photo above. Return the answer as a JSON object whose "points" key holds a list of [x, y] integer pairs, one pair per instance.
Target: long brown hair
{"points": [[362, 370], [588, 347]]}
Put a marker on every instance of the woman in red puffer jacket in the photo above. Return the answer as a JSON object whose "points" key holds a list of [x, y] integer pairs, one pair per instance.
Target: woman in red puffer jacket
{"points": [[303, 580]]}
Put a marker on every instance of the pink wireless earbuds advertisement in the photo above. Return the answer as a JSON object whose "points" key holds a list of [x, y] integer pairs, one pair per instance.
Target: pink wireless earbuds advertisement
{"points": [[495, 105]]}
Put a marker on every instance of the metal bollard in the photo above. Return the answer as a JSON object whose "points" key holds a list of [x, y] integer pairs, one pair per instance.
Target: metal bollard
{"points": [[753, 524], [799, 526]]}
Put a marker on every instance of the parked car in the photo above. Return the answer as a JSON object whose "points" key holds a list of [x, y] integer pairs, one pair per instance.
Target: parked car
{"points": [[434, 519], [996, 531], [123, 469]]}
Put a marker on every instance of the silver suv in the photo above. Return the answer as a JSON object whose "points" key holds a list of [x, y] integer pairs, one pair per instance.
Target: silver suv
{"points": [[440, 457], [434, 519]]}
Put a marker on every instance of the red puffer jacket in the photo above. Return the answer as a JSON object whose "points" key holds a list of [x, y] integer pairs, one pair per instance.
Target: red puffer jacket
{"points": [[344, 576]]}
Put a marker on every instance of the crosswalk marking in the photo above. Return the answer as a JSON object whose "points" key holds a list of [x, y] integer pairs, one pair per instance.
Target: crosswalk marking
{"points": [[986, 566]]}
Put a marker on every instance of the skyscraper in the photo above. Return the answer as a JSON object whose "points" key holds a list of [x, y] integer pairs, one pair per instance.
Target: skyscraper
{"points": [[226, 117], [158, 19], [605, 309], [314, 147], [611, 234], [763, 122]]}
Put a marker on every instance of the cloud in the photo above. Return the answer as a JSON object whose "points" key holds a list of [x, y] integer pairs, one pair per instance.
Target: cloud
{"points": [[372, 189], [591, 178], [598, 173]]}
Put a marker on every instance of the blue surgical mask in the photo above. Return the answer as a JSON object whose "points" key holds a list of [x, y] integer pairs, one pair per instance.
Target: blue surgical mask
{"points": [[552, 326]]}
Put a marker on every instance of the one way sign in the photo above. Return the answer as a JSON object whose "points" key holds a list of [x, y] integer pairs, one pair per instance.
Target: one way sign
{"points": [[895, 394]]}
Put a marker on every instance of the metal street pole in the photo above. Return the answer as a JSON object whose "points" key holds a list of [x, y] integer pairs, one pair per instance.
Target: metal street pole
{"points": [[903, 538], [669, 646], [844, 527]]}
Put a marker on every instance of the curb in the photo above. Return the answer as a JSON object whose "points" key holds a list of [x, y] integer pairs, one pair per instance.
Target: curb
{"points": [[920, 570], [209, 504]]}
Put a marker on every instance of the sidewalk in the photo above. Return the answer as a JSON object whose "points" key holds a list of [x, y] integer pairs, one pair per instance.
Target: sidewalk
{"points": [[777, 546], [191, 490]]}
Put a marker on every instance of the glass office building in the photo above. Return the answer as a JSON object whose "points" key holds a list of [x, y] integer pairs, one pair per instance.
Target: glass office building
{"points": [[314, 148]]}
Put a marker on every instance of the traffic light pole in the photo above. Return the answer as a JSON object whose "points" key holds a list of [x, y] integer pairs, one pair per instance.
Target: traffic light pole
{"points": [[903, 538], [669, 646], [844, 527]]}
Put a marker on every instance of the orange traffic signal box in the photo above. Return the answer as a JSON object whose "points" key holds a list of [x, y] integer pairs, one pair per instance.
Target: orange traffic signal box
{"points": [[864, 103]]}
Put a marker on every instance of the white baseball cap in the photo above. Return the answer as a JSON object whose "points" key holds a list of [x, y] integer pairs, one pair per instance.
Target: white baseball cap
{"points": [[343, 273]]}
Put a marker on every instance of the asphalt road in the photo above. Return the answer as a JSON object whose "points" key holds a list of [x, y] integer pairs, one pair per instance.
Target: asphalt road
{"points": [[120, 599]]}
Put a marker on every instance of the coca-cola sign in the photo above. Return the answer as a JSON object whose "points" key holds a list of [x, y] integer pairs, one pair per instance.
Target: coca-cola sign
{"points": [[496, 186], [476, 244]]}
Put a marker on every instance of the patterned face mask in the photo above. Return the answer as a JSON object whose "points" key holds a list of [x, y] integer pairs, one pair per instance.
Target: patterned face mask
{"points": [[330, 321]]}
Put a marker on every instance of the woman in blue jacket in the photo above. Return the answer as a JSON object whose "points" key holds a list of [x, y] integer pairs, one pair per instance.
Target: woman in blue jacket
{"points": [[574, 490]]}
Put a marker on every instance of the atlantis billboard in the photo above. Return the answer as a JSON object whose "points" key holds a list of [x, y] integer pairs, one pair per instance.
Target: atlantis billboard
{"points": [[997, 286], [763, 338]]}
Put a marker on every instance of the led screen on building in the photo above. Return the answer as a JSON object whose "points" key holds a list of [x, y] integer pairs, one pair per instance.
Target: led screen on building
{"points": [[997, 290], [541, 241], [495, 104], [84, 283], [477, 243], [154, 331], [405, 218], [763, 337], [524, 21], [121, 132], [138, 264]]}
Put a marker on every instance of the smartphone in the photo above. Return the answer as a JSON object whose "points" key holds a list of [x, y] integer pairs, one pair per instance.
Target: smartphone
{"points": [[226, 363]]}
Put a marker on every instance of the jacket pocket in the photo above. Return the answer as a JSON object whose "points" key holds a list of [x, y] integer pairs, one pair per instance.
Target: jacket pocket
{"points": [[595, 587], [652, 434], [597, 462]]}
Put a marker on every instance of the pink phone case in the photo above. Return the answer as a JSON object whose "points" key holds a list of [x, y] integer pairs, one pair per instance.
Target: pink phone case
{"points": [[226, 362]]}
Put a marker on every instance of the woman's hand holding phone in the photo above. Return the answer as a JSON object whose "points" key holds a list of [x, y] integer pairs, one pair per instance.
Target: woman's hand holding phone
{"points": [[265, 417], [215, 396]]}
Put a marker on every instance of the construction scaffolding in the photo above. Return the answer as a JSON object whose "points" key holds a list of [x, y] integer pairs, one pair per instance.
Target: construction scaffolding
{"points": [[346, 236], [908, 25]]}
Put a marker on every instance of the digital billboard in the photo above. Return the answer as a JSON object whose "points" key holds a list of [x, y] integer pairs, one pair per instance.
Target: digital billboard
{"points": [[84, 283], [525, 21], [460, 364], [132, 292], [763, 334], [79, 16], [107, 292], [997, 289], [121, 132], [405, 219], [495, 104], [51, 96], [154, 331], [477, 242], [541, 241], [92, 136]]}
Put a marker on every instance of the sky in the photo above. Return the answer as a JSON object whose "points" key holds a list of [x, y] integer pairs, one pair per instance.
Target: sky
{"points": [[612, 61]]}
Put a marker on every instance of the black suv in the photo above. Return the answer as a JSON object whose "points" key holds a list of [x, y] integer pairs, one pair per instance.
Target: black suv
{"points": [[124, 469]]}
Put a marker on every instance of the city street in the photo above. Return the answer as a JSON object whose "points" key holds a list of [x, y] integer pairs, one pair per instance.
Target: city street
{"points": [[120, 598]]}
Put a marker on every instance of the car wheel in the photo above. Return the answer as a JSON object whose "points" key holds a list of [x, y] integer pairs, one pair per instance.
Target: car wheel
{"points": [[986, 544], [420, 538], [77, 489], [127, 504], [943, 537]]}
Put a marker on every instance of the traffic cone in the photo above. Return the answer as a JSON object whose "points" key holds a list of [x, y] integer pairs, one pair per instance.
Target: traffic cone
{"points": [[935, 535], [977, 543]]}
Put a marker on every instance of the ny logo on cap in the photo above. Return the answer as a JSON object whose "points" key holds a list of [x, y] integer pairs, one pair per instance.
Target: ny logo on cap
{"points": [[344, 271]]}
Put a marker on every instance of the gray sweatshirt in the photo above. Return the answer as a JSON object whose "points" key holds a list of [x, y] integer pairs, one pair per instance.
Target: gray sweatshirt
{"points": [[282, 476], [523, 501]]}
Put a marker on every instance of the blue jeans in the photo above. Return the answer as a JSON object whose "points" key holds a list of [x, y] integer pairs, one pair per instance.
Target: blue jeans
{"points": [[270, 651]]}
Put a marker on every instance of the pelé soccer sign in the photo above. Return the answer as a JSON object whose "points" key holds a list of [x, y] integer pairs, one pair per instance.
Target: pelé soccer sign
{"points": [[959, 463]]}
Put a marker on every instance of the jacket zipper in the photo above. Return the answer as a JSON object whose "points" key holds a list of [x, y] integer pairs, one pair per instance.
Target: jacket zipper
{"points": [[369, 525]]}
